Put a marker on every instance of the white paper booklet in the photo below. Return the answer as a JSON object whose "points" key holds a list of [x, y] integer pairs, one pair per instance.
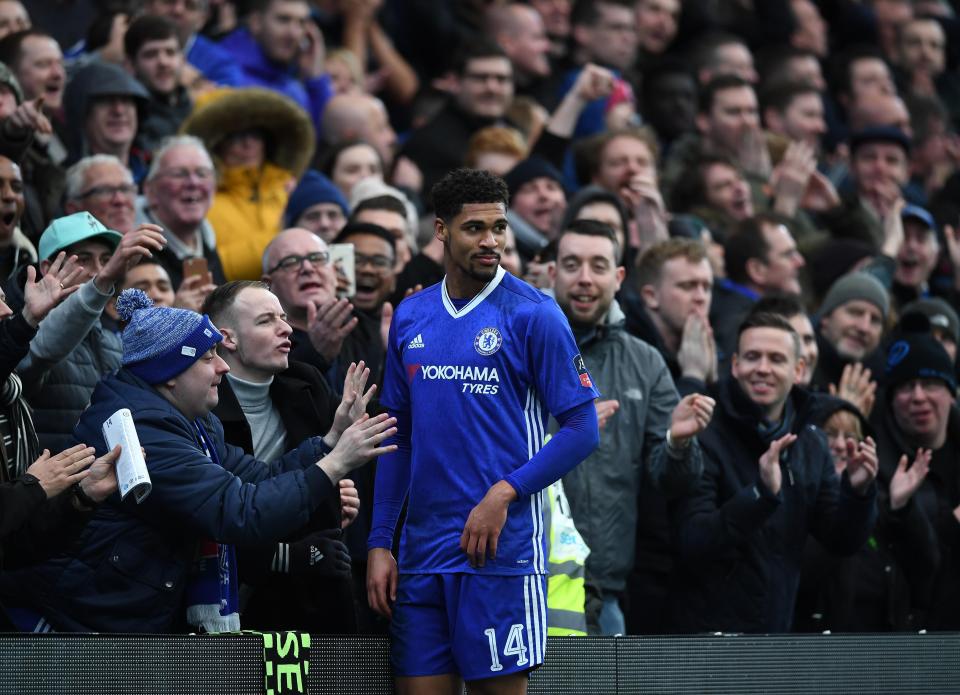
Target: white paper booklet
{"points": [[131, 467]]}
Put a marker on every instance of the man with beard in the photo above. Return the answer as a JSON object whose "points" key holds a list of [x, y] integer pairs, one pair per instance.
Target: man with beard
{"points": [[648, 435], [474, 367]]}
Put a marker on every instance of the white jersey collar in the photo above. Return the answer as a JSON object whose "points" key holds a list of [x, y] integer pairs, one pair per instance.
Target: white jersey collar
{"points": [[475, 302]]}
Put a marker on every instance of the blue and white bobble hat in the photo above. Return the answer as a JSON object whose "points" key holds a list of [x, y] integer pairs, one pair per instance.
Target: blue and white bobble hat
{"points": [[161, 342]]}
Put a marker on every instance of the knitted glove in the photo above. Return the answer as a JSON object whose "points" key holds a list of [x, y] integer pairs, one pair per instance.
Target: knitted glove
{"points": [[321, 553]]}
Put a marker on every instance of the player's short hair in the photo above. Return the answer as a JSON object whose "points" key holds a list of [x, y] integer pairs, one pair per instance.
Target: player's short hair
{"points": [[649, 267], [759, 319], [464, 187], [592, 228], [218, 303]]}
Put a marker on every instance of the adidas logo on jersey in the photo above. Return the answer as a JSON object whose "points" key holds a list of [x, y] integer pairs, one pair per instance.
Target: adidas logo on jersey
{"points": [[315, 555], [416, 342]]}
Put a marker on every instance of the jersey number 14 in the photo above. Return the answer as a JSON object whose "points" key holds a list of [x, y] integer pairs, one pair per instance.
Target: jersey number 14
{"points": [[513, 647]]}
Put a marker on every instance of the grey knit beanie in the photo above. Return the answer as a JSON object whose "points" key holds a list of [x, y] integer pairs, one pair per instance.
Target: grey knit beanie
{"points": [[856, 286]]}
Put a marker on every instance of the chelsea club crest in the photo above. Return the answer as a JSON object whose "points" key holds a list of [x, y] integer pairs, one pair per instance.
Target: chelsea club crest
{"points": [[488, 341]]}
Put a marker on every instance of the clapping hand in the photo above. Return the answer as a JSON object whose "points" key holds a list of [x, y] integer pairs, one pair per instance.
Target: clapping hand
{"points": [[906, 481], [770, 472], [856, 387], [691, 417], [862, 463], [354, 402], [328, 323]]}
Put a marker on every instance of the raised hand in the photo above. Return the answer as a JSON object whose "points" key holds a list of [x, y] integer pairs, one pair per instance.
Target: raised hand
{"points": [[593, 82], [792, 177], [354, 402], [605, 411], [193, 291], [328, 323], [143, 241], [386, 318], [313, 55], [893, 229], [856, 387], [691, 417], [862, 463], [359, 443], [752, 153], [57, 473], [481, 533], [349, 502], [60, 281], [770, 472], [906, 481], [29, 116]]}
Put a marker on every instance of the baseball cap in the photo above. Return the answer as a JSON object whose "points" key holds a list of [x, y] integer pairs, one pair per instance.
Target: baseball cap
{"points": [[67, 231]]}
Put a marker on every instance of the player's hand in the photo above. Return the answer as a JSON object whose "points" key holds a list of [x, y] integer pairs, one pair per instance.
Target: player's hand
{"points": [[381, 581], [482, 531], [349, 502]]}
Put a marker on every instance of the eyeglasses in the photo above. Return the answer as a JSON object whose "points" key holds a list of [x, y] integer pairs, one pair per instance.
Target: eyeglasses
{"points": [[378, 263], [927, 385], [288, 263], [184, 173], [107, 192]]}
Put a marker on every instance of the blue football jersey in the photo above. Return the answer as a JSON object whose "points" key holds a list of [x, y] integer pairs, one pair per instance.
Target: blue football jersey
{"points": [[479, 384]]}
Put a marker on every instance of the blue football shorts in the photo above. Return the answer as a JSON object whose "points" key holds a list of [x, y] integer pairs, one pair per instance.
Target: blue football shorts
{"points": [[479, 626]]}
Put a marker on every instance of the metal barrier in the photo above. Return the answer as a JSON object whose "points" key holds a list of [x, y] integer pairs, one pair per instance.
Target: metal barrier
{"points": [[155, 665]]}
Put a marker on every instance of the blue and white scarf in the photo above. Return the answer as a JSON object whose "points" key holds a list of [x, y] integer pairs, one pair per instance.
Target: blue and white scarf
{"points": [[211, 592]]}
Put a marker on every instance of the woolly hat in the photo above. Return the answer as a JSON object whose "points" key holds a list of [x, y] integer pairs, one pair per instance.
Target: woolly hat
{"points": [[856, 286], [313, 188], [918, 356], [938, 312], [161, 342], [529, 169]]}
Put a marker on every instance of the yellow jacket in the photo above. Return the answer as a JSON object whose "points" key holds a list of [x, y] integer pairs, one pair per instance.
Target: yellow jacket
{"points": [[247, 213]]}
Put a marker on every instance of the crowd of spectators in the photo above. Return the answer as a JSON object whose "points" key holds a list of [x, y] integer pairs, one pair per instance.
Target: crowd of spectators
{"points": [[752, 200]]}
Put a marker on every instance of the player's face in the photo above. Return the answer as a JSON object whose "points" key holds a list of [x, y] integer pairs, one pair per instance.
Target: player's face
{"points": [[587, 278], [474, 240]]}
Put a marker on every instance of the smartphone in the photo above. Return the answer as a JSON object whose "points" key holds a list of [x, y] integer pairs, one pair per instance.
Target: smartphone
{"points": [[194, 266], [341, 257]]}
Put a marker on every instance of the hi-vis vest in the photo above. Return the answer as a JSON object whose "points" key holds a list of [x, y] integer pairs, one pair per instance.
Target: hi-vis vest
{"points": [[568, 553]]}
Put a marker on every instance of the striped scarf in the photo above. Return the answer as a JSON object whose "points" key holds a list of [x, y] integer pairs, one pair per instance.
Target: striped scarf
{"points": [[24, 448]]}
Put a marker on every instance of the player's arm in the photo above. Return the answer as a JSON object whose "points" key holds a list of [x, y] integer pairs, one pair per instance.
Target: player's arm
{"points": [[390, 489], [578, 435]]}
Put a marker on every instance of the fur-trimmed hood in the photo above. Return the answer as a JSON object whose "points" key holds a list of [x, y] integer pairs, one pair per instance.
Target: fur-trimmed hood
{"points": [[290, 135]]}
